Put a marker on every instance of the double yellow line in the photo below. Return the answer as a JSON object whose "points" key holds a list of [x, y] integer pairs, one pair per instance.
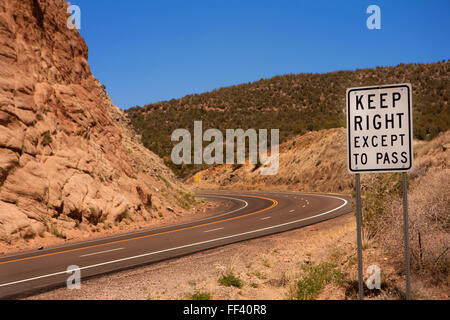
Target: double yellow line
{"points": [[274, 204]]}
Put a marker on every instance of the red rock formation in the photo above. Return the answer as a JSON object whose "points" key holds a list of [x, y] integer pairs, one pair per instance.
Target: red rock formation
{"points": [[66, 153]]}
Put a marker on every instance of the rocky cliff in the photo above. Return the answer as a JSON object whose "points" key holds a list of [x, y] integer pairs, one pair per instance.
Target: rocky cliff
{"points": [[67, 157]]}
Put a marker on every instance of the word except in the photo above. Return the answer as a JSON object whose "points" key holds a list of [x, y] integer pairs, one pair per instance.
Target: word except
{"points": [[383, 140]]}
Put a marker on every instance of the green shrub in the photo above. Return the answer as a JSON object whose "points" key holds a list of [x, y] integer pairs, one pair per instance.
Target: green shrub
{"points": [[47, 138], [200, 295], [54, 230], [315, 278], [230, 279]]}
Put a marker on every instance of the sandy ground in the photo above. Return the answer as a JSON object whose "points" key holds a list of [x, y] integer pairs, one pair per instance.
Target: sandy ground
{"points": [[268, 266]]}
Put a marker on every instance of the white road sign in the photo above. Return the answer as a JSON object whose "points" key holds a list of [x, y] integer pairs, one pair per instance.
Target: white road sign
{"points": [[379, 128]]}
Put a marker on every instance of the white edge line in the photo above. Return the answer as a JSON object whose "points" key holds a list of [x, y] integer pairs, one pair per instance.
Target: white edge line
{"points": [[180, 247], [100, 252], [213, 229]]}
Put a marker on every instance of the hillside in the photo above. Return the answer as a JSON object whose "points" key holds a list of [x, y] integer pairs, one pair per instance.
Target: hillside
{"points": [[68, 158], [317, 162], [314, 162], [294, 103]]}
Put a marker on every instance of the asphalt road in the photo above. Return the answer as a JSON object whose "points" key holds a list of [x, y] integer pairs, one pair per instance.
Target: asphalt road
{"points": [[253, 214]]}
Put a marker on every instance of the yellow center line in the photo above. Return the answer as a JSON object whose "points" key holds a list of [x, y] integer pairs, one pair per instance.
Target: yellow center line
{"points": [[274, 204]]}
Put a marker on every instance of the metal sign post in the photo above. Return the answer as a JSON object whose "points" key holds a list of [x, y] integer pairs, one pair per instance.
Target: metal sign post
{"points": [[406, 237], [379, 139], [359, 236]]}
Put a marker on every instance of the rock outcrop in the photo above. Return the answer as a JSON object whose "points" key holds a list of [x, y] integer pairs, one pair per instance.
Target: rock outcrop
{"points": [[67, 156]]}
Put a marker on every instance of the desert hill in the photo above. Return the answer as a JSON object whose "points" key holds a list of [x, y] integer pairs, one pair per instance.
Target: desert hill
{"points": [[317, 162], [294, 103]]}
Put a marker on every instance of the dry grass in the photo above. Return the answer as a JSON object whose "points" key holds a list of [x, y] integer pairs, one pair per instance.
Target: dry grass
{"points": [[429, 213], [429, 222]]}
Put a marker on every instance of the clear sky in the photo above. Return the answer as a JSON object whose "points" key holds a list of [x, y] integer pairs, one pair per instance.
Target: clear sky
{"points": [[152, 50]]}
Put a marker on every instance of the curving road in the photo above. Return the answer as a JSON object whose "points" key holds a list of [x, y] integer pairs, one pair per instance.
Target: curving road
{"points": [[253, 214]]}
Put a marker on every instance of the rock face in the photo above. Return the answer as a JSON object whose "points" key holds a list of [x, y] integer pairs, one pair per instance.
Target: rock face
{"points": [[66, 153]]}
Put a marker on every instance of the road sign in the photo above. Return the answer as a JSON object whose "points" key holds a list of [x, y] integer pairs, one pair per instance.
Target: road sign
{"points": [[379, 128], [379, 139]]}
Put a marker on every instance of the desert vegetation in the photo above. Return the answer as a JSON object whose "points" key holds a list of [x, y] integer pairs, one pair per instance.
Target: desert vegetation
{"points": [[429, 212], [230, 280], [199, 295], [293, 103], [314, 278]]}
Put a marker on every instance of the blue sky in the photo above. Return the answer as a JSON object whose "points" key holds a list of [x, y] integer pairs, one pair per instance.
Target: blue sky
{"points": [[147, 51]]}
